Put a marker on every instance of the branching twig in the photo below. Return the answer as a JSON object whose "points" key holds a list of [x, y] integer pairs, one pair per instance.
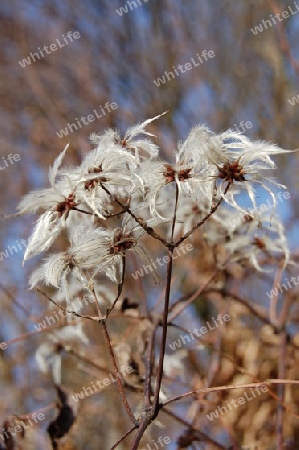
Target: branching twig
{"points": [[230, 387], [68, 311], [199, 224], [149, 230]]}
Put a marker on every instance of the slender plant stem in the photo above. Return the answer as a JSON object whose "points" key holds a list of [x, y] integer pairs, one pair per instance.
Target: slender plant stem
{"points": [[229, 387], [148, 418], [82, 211], [143, 426], [119, 287], [119, 381], [150, 361], [164, 333]]}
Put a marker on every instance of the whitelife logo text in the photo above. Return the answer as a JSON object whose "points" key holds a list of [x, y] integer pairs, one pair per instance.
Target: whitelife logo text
{"points": [[186, 338], [12, 431], [161, 261], [86, 119], [236, 403], [183, 68], [272, 21], [89, 390]]}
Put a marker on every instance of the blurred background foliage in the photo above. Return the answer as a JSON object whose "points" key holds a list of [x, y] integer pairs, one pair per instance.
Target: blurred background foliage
{"points": [[116, 59]]}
